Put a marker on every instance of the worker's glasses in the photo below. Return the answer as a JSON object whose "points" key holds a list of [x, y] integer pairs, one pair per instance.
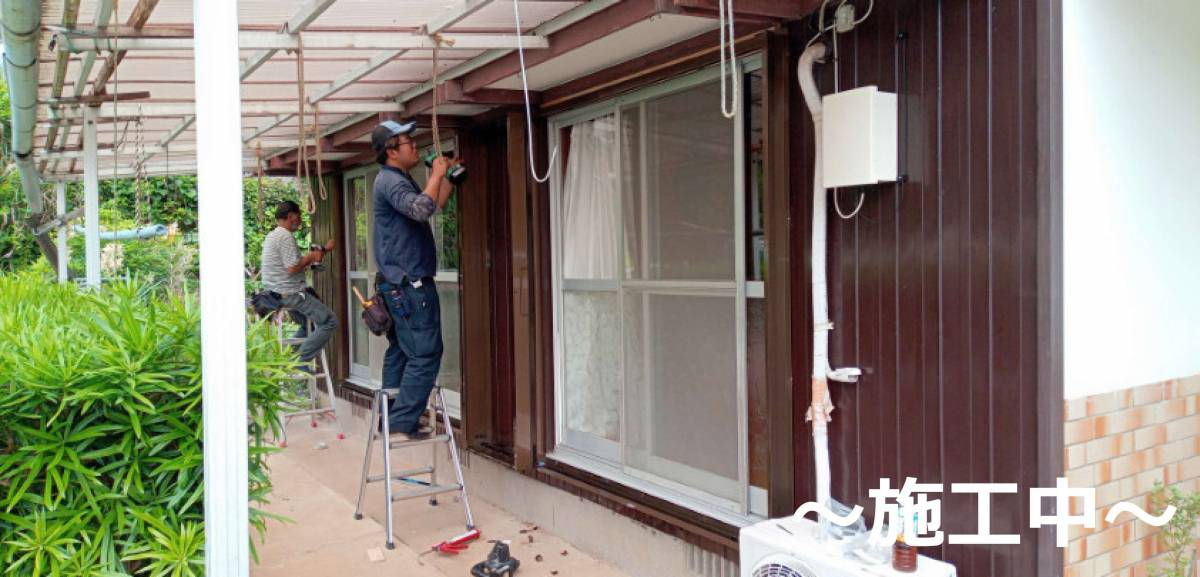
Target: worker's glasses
{"points": [[397, 145]]}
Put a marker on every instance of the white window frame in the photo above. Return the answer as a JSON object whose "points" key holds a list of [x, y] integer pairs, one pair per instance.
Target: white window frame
{"points": [[601, 456], [360, 374]]}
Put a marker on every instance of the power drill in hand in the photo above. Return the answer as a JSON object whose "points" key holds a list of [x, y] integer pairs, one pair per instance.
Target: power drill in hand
{"points": [[456, 174]]}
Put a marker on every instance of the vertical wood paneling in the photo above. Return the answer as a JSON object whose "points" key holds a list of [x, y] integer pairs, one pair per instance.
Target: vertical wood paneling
{"points": [[937, 287]]}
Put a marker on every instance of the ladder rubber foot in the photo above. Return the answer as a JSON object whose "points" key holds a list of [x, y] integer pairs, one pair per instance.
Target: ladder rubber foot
{"points": [[283, 444], [391, 546], [433, 502], [341, 436], [358, 516], [314, 424]]}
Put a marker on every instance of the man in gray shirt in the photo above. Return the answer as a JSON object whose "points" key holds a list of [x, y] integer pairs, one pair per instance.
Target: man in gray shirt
{"points": [[283, 273]]}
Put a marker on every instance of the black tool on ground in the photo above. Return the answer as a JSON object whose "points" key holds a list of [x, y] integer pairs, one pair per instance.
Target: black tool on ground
{"points": [[456, 174], [500, 563]]}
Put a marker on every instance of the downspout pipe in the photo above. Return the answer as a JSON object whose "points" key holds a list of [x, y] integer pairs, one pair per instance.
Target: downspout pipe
{"points": [[21, 24], [152, 231], [821, 407]]}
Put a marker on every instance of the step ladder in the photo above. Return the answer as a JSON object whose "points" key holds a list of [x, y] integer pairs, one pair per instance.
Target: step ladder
{"points": [[422, 487], [319, 374]]}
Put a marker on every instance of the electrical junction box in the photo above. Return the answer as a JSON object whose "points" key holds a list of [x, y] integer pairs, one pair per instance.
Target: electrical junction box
{"points": [[859, 137]]}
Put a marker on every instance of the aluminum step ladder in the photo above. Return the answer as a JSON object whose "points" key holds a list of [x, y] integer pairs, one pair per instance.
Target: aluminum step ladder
{"points": [[318, 375], [377, 425]]}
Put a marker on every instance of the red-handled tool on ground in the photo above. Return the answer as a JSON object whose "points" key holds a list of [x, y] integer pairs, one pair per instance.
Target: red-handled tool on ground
{"points": [[456, 545]]}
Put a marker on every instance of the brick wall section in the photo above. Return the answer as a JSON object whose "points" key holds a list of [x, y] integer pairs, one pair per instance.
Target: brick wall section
{"points": [[1121, 443]]}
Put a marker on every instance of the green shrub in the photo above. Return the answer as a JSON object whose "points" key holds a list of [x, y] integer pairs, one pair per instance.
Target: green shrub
{"points": [[100, 429], [1178, 536]]}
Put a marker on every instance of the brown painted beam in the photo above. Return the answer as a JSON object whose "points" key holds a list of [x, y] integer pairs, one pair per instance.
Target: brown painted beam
{"points": [[99, 98], [451, 92], [668, 60], [776, 10], [586, 31]]}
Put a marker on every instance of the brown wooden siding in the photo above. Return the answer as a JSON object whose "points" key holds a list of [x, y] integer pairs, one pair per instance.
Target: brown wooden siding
{"points": [[329, 223], [934, 286]]}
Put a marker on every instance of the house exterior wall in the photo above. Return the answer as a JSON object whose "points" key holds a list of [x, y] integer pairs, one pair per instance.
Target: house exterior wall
{"points": [[1121, 443], [1131, 271], [1131, 136], [937, 285]]}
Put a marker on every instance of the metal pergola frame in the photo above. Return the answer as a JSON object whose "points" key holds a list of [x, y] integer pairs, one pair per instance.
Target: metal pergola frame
{"points": [[215, 113]]}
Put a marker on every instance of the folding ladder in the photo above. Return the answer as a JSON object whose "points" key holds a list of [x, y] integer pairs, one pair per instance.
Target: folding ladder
{"points": [[378, 429], [318, 374]]}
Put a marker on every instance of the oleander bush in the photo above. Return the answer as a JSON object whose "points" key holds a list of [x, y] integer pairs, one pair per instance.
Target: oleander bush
{"points": [[101, 462]]}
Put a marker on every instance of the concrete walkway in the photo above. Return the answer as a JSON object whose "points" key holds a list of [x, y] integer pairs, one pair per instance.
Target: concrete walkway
{"points": [[316, 483]]}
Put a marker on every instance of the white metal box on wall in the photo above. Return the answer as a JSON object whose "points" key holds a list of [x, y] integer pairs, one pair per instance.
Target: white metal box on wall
{"points": [[859, 137]]}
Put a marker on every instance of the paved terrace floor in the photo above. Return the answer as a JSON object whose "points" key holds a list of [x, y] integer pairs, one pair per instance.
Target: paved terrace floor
{"points": [[316, 483]]}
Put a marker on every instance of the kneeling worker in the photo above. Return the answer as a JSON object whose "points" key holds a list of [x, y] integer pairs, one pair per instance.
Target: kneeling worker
{"points": [[407, 259], [283, 273]]}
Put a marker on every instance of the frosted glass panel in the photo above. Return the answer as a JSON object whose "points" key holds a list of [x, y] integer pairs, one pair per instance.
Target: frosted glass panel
{"points": [[591, 342], [681, 397]]}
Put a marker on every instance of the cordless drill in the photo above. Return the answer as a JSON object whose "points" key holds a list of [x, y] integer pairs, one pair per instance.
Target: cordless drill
{"points": [[456, 174]]}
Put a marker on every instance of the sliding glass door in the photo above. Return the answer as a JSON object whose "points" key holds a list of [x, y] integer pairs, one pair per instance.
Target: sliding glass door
{"points": [[650, 234]]}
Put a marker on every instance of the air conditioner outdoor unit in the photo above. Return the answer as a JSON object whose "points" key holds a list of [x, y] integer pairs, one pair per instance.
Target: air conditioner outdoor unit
{"points": [[788, 547]]}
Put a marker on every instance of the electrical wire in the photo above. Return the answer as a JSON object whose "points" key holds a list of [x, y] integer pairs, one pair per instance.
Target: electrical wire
{"points": [[862, 197], [528, 108], [727, 39]]}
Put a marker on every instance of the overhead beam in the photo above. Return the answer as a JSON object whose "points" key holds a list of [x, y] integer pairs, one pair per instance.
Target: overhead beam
{"points": [[137, 19], [436, 26], [454, 15], [82, 41], [752, 9], [97, 99], [451, 92], [291, 156], [134, 110], [613, 19], [300, 20], [108, 151], [70, 17]]}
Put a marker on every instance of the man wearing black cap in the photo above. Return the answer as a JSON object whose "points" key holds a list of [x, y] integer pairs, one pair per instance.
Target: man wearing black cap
{"points": [[407, 259]]}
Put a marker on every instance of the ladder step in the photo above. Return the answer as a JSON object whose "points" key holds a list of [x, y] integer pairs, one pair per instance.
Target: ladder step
{"points": [[401, 475], [305, 376], [432, 439], [426, 491]]}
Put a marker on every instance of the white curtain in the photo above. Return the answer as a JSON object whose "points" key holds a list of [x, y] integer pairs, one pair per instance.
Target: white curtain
{"points": [[591, 190]]}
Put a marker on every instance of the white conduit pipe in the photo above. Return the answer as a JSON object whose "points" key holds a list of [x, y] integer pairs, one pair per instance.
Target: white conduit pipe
{"points": [[821, 406], [528, 108]]}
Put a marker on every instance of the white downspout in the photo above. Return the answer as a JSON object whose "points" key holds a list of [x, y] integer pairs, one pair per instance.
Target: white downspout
{"points": [[21, 20], [819, 411]]}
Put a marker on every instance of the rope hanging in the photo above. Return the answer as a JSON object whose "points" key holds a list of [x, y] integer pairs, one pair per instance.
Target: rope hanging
{"points": [[316, 131], [305, 191], [438, 41], [528, 107], [259, 165]]}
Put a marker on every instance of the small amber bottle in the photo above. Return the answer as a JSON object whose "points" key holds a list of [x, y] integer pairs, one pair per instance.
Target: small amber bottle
{"points": [[904, 556]]}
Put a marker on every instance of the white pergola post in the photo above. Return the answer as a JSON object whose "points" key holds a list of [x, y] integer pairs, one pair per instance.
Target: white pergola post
{"points": [[91, 198], [222, 313], [64, 251]]}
